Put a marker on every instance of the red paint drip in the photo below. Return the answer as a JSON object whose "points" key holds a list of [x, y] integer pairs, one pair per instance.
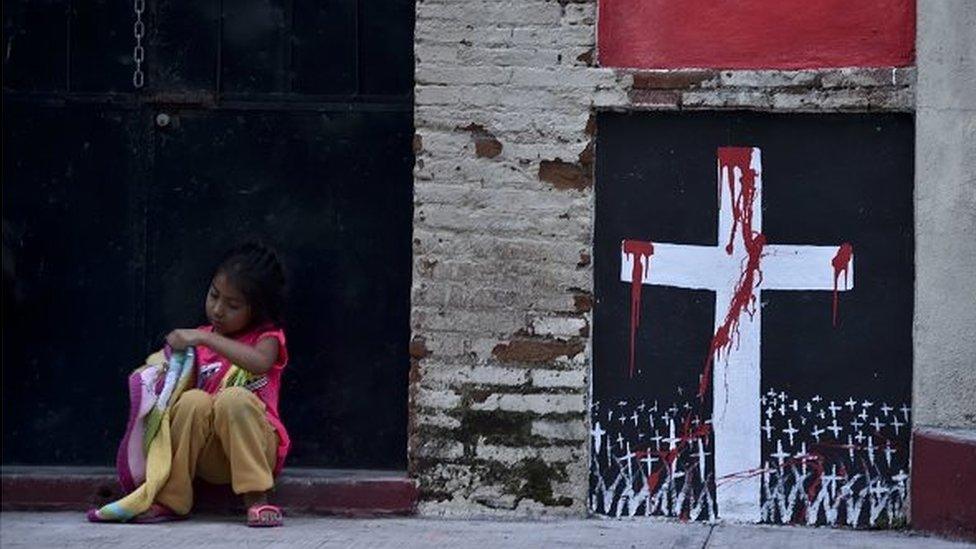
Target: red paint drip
{"points": [[730, 158], [743, 298], [841, 263], [640, 250], [815, 462]]}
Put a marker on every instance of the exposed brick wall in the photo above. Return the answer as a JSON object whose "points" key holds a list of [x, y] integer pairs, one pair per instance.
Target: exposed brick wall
{"points": [[503, 216]]}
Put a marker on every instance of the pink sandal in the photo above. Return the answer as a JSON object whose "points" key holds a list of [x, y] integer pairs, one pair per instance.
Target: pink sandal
{"points": [[264, 515], [156, 514]]}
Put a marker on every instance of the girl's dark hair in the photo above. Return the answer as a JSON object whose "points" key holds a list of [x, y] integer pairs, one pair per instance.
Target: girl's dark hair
{"points": [[256, 271]]}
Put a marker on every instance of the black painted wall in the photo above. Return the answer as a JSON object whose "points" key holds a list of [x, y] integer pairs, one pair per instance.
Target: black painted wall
{"points": [[289, 121]]}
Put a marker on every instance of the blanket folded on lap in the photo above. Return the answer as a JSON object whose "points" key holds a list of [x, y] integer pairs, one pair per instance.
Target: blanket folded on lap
{"points": [[145, 453]]}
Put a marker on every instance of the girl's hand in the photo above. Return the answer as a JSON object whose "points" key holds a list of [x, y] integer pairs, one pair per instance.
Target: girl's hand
{"points": [[181, 339]]}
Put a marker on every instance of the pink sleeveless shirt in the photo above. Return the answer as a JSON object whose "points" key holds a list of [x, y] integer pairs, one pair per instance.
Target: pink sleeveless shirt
{"points": [[211, 368]]}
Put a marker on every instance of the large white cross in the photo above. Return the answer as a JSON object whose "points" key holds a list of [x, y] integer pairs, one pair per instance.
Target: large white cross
{"points": [[736, 374]]}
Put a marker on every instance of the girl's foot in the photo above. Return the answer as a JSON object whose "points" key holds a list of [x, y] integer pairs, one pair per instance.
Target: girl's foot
{"points": [[264, 515], [157, 513], [93, 516]]}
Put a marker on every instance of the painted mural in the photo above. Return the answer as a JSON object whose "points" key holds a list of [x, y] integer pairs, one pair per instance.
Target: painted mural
{"points": [[740, 371]]}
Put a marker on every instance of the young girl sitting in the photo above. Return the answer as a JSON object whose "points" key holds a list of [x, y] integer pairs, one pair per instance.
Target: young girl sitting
{"points": [[227, 430]]}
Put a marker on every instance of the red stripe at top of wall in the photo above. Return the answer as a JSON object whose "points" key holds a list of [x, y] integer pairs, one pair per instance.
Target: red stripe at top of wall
{"points": [[756, 34]]}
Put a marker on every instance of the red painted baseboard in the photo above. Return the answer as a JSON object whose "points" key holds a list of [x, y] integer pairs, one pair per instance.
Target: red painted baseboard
{"points": [[944, 482], [311, 491]]}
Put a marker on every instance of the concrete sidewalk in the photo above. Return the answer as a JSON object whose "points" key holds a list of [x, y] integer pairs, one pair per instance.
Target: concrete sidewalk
{"points": [[61, 530]]}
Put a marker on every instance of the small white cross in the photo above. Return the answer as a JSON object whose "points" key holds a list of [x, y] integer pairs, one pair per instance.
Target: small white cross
{"points": [[629, 456], [870, 450], [622, 419], [635, 417], [863, 415], [859, 437], [835, 429], [831, 478], [769, 430], [885, 408], [771, 392], [790, 431], [879, 488], [904, 410], [597, 434], [877, 425], [641, 406], [867, 404], [801, 455], [901, 477], [851, 403], [620, 440], [888, 450], [672, 440], [817, 431], [769, 412], [649, 461], [780, 455], [701, 454], [895, 423], [782, 395], [816, 398], [856, 424], [833, 409], [794, 405], [657, 440], [823, 415], [803, 450], [782, 409], [809, 408]]}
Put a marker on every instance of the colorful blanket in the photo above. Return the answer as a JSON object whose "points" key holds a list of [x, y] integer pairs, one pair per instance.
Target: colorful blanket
{"points": [[145, 454]]}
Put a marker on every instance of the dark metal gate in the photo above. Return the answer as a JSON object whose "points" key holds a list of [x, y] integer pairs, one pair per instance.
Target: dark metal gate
{"points": [[286, 120]]}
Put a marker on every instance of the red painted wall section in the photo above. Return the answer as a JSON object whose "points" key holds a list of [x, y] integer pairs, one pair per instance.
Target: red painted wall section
{"points": [[944, 483], [756, 34]]}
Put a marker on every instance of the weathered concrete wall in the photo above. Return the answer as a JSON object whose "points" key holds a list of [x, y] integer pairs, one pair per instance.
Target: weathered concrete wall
{"points": [[945, 215], [503, 216]]}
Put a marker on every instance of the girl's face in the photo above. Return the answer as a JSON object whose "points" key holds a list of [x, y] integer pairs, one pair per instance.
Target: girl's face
{"points": [[227, 309]]}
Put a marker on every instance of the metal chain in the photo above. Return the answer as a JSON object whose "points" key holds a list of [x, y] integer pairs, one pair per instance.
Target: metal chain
{"points": [[139, 53]]}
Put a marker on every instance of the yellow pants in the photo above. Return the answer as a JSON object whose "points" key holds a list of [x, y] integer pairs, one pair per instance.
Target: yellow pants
{"points": [[223, 439]]}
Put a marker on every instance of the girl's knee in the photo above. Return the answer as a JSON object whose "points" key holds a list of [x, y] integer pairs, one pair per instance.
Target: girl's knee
{"points": [[233, 401], [194, 401]]}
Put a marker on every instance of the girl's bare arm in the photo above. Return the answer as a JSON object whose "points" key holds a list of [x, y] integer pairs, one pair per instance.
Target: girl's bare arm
{"points": [[257, 359]]}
